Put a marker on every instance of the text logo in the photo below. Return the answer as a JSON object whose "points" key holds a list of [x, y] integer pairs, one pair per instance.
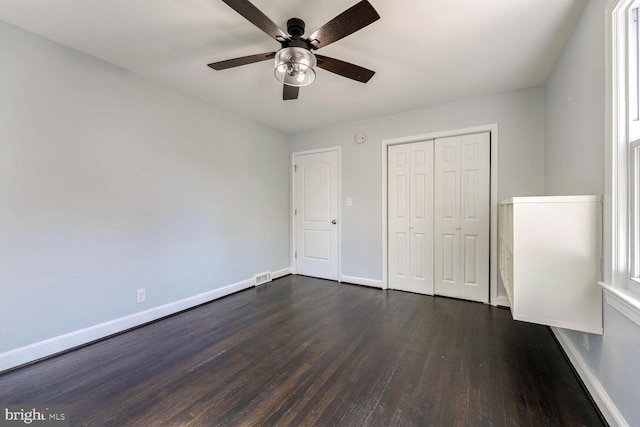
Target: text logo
{"points": [[34, 415]]}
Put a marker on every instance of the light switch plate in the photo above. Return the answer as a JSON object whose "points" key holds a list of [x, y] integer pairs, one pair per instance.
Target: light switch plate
{"points": [[349, 201]]}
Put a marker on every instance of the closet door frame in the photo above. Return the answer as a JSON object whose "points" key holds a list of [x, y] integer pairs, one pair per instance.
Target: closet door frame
{"points": [[494, 298]]}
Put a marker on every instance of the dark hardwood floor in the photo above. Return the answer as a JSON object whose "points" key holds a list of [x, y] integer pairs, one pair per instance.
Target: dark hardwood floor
{"points": [[302, 351]]}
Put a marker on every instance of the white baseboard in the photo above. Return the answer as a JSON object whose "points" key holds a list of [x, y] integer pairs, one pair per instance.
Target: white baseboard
{"points": [[281, 273], [597, 391], [501, 300], [361, 281], [39, 350]]}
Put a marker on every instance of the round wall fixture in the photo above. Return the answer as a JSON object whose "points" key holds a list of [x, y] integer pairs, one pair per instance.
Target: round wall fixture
{"points": [[360, 138]]}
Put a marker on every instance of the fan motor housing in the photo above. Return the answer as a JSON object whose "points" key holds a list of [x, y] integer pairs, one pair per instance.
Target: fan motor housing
{"points": [[295, 27]]}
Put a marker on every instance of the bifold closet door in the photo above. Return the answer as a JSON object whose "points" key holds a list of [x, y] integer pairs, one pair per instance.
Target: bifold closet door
{"points": [[462, 194], [410, 217]]}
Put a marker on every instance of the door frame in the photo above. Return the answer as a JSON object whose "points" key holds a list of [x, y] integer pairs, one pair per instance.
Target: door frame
{"points": [[494, 298], [292, 215]]}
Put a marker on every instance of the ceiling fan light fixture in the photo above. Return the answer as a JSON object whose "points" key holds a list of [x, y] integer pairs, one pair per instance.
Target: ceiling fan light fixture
{"points": [[295, 66]]}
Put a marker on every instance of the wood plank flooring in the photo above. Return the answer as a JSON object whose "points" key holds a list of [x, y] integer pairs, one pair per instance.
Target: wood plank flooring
{"points": [[301, 351]]}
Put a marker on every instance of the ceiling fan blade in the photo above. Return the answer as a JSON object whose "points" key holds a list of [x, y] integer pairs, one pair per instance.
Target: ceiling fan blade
{"points": [[348, 22], [244, 60], [290, 92], [257, 18], [345, 69]]}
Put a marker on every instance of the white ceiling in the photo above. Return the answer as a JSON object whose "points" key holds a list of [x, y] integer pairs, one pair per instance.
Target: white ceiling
{"points": [[424, 52]]}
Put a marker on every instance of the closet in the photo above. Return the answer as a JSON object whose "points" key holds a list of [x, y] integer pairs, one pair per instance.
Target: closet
{"points": [[438, 216]]}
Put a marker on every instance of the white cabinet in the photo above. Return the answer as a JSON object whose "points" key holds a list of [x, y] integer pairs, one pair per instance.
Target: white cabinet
{"points": [[550, 257]]}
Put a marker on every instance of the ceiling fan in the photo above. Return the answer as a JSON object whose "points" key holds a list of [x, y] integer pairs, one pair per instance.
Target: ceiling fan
{"points": [[295, 62]]}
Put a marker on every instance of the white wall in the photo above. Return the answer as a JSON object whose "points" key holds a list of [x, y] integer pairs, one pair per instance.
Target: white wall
{"points": [[520, 118], [575, 111], [110, 183], [574, 164]]}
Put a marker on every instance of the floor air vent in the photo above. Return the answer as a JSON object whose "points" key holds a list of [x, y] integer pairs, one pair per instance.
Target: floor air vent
{"points": [[262, 278]]}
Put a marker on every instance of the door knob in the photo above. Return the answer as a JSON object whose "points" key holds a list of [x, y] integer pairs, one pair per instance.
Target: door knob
{"points": [[458, 228], [334, 222]]}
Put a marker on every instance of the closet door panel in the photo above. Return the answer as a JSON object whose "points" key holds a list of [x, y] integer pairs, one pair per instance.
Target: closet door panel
{"points": [[399, 216], [462, 183], [447, 216], [475, 209], [410, 217]]}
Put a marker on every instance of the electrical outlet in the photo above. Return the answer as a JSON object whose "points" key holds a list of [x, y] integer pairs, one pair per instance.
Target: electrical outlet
{"points": [[141, 295], [585, 340]]}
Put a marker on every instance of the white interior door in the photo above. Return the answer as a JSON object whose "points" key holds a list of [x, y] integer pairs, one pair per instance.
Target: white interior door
{"points": [[462, 191], [410, 217], [316, 214]]}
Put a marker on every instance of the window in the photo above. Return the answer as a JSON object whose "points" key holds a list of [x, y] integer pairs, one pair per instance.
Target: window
{"points": [[634, 217], [622, 192], [633, 71], [633, 140]]}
